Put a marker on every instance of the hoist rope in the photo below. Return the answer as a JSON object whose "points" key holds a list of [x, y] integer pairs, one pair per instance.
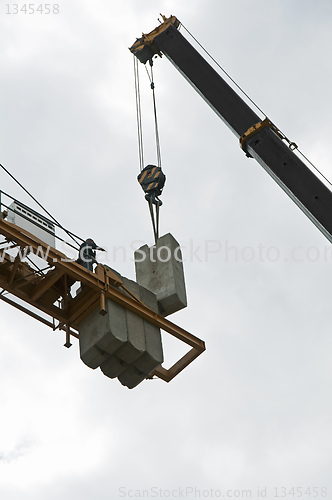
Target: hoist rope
{"points": [[41, 206], [138, 115], [154, 217], [249, 98], [155, 118], [152, 86], [155, 221]]}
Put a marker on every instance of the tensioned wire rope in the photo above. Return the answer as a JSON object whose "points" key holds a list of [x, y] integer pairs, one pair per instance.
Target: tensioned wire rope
{"points": [[155, 223], [72, 236], [139, 114], [152, 85], [249, 98]]}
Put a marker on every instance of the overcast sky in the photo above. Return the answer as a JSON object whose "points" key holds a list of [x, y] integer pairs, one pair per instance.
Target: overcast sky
{"points": [[254, 410]]}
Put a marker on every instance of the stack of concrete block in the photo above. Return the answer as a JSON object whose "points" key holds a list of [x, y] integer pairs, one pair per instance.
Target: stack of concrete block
{"points": [[160, 269], [121, 343]]}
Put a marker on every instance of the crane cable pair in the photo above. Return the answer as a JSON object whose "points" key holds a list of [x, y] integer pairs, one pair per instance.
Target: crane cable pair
{"points": [[151, 178], [69, 233]]}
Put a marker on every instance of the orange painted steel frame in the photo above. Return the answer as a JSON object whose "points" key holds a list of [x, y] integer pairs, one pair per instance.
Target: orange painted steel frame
{"points": [[97, 286]]}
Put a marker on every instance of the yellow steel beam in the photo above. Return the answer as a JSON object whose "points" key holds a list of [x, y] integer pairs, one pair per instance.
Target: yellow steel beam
{"points": [[76, 309], [148, 38], [52, 256], [46, 283], [96, 287], [49, 309], [169, 374], [34, 315], [14, 269], [26, 311]]}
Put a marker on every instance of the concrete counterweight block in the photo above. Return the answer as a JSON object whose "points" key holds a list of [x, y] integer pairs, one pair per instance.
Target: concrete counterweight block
{"points": [[131, 377], [153, 356], [113, 367], [140, 332], [101, 336], [135, 345], [121, 342], [160, 270]]}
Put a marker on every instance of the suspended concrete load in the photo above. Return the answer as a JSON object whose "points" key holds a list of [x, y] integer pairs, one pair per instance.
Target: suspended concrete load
{"points": [[160, 269], [116, 320], [121, 343]]}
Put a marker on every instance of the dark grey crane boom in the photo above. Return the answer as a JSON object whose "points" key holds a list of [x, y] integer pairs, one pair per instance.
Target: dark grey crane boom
{"points": [[260, 139]]}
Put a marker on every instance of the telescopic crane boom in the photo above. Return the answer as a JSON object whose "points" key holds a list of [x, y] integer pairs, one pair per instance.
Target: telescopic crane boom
{"points": [[259, 138]]}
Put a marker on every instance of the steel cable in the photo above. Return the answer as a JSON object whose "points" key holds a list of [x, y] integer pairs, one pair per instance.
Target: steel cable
{"points": [[41, 206], [138, 115], [249, 98]]}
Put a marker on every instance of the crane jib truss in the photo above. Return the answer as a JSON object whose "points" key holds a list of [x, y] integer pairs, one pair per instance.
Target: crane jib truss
{"points": [[49, 293]]}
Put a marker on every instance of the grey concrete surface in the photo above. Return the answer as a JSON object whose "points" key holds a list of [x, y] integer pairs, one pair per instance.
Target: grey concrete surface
{"points": [[101, 336], [113, 366], [161, 272], [122, 343]]}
